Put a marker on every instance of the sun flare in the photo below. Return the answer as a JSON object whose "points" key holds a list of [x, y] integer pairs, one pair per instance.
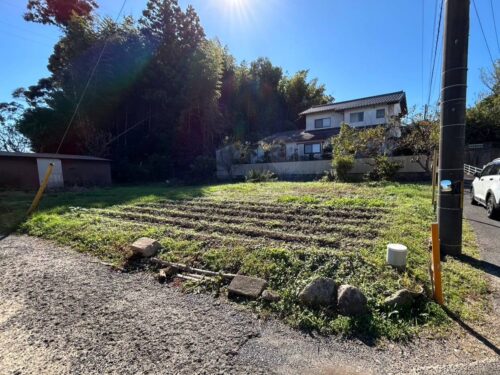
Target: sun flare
{"points": [[237, 11]]}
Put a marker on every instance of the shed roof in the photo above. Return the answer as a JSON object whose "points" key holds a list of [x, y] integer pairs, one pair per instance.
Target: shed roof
{"points": [[393, 97], [49, 156]]}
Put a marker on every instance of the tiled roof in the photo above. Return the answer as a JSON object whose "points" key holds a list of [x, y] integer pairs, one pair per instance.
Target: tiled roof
{"points": [[301, 135], [307, 136], [49, 156], [393, 97]]}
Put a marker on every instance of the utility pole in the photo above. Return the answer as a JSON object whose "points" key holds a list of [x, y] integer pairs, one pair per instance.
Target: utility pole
{"points": [[452, 141]]}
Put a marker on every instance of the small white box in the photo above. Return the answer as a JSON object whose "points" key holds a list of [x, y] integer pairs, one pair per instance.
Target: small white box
{"points": [[396, 255]]}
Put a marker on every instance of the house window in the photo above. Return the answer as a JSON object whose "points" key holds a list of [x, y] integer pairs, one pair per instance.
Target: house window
{"points": [[380, 113], [312, 148], [322, 123], [357, 117]]}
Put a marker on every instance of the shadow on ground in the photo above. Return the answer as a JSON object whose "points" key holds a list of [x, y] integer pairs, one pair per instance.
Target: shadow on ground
{"points": [[14, 204], [483, 265], [471, 330]]}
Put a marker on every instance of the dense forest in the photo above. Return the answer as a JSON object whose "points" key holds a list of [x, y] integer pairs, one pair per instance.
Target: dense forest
{"points": [[161, 96]]}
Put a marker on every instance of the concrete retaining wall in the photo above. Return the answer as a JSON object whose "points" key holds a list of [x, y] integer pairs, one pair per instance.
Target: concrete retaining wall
{"points": [[306, 170]]}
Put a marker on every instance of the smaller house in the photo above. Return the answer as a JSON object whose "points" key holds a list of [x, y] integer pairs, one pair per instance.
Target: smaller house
{"points": [[26, 171]]}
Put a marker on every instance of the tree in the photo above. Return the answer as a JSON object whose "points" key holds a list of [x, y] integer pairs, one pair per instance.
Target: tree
{"points": [[368, 143], [421, 138], [10, 138], [58, 12], [162, 95], [483, 119], [299, 94]]}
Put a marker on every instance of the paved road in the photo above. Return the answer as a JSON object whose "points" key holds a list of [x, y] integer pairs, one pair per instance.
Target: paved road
{"points": [[62, 312], [488, 235]]}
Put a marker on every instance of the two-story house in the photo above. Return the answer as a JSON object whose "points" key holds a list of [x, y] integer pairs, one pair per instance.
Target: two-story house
{"points": [[324, 121]]}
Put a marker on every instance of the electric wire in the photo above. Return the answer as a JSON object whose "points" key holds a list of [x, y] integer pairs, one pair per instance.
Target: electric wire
{"points": [[482, 32], [434, 55], [422, 53], [495, 24], [84, 91]]}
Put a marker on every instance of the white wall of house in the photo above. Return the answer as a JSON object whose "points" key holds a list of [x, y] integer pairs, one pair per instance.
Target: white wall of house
{"points": [[336, 118], [369, 117]]}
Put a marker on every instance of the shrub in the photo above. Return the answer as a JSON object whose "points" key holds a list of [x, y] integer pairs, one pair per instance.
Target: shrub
{"points": [[384, 169], [328, 176], [255, 175], [341, 166], [202, 169]]}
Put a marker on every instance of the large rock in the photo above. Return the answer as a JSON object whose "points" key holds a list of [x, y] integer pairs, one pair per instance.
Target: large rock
{"points": [[247, 286], [145, 247], [401, 299], [319, 292], [351, 301]]}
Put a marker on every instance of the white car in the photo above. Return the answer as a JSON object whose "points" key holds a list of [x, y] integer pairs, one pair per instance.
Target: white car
{"points": [[486, 188]]}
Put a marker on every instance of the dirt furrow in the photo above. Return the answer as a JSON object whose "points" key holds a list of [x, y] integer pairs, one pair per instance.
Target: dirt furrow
{"points": [[284, 212], [272, 224], [205, 226]]}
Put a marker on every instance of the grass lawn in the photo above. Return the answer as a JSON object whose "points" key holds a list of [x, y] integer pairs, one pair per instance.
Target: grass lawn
{"points": [[285, 232]]}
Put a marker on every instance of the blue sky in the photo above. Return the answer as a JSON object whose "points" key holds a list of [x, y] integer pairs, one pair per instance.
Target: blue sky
{"points": [[355, 47]]}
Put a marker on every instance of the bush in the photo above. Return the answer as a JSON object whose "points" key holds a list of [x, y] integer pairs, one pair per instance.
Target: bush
{"points": [[341, 166], [255, 175], [384, 169], [202, 169], [328, 176]]}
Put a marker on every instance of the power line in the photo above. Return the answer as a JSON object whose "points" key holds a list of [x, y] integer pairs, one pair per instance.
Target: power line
{"points": [[422, 53], [494, 24], [433, 31], [126, 131], [29, 39], [434, 55], [482, 31], [88, 81], [431, 54]]}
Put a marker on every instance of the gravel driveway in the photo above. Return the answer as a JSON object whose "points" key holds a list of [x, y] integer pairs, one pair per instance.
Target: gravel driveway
{"points": [[62, 312]]}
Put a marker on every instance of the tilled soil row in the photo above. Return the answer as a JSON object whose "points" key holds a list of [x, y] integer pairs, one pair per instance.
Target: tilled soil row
{"points": [[241, 212], [321, 213], [271, 205], [216, 239], [209, 240], [206, 226], [276, 224]]}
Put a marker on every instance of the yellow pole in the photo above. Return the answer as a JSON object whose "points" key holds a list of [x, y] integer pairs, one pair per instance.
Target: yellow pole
{"points": [[436, 265], [41, 189]]}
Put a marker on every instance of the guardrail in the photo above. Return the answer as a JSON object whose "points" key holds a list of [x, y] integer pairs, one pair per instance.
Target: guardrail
{"points": [[471, 170]]}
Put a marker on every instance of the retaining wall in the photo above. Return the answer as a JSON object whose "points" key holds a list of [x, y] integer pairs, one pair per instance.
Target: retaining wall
{"points": [[311, 169]]}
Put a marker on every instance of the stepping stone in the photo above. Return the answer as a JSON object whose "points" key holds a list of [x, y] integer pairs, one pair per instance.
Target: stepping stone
{"points": [[145, 247], [246, 286]]}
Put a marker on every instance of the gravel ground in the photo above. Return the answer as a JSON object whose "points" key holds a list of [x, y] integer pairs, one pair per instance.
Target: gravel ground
{"points": [[62, 312]]}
